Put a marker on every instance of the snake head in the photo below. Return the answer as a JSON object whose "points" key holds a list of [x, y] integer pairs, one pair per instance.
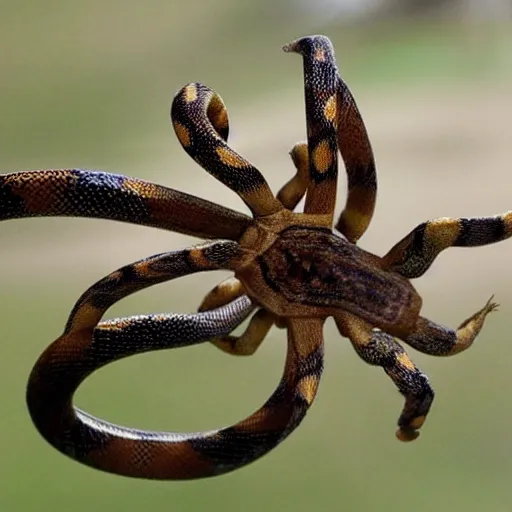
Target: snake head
{"points": [[318, 47]]}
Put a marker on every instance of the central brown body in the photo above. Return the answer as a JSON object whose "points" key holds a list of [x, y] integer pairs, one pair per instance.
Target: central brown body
{"points": [[308, 271]]}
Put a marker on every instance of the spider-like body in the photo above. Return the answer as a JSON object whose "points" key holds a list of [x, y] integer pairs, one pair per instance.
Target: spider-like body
{"points": [[290, 269]]}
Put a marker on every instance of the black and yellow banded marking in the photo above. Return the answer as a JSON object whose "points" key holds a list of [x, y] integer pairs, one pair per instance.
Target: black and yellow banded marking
{"points": [[87, 345], [93, 194], [356, 151], [380, 349], [334, 122], [200, 120], [414, 254], [437, 340], [320, 90]]}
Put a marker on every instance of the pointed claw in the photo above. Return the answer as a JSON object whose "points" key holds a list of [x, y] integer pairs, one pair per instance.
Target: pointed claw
{"points": [[490, 306]]}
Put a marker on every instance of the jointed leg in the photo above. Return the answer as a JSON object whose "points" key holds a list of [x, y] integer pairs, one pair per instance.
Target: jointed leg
{"points": [[226, 291], [380, 349], [248, 342], [413, 255], [436, 340]]}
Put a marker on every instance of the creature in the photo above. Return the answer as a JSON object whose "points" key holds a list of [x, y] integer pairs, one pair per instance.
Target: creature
{"points": [[290, 270]]}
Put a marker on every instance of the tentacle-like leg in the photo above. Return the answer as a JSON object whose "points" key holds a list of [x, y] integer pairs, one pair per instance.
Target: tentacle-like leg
{"points": [[200, 121], [82, 193], [380, 349], [225, 292], [413, 255], [248, 342], [333, 122], [86, 346], [436, 340], [321, 80], [357, 154]]}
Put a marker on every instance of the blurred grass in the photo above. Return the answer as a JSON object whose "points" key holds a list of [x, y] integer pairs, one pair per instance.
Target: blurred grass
{"points": [[89, 84]]}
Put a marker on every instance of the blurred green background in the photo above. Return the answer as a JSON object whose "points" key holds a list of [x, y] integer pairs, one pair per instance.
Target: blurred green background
{"points": [[89, 84]]}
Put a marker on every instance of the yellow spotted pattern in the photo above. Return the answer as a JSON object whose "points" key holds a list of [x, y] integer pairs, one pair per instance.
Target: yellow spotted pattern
{"points": [[141, 188], [442, 232], [320, 55], [86, 316], [330, 109], [190, 93], [217, 113], [353, 221], [307, 388], [507, 219], [197, 256], [229, 157], [405, 361], [322, 156], [418, 422], [116, 325], [182, 133]]}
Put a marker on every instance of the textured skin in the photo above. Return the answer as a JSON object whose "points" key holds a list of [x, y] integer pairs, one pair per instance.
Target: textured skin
{"points": [[290, 269], [413, 255], [86, 346], [334, 122], [315, 267], [82, 193], [201, 125]]}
